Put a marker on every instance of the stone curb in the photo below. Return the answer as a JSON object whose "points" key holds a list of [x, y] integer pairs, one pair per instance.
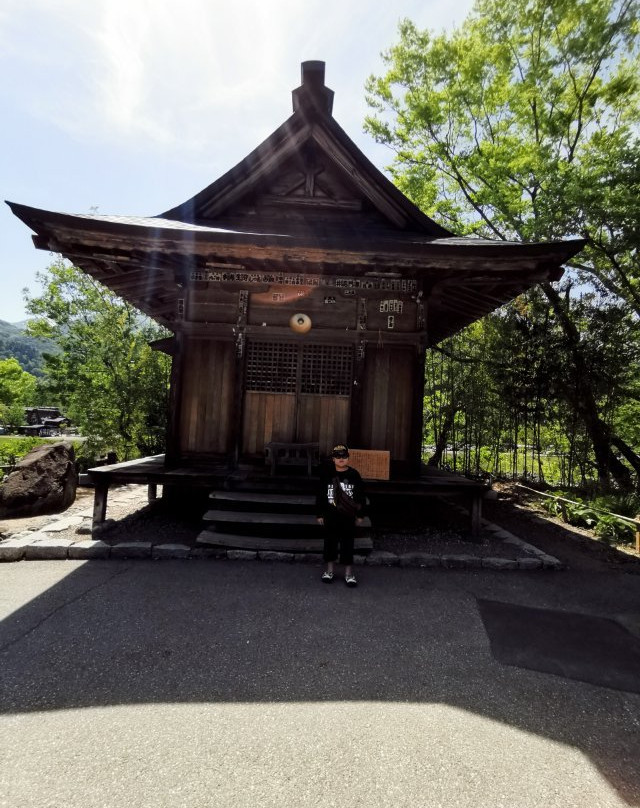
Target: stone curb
{"points": [[47, 548], [159, 551], [14, 549], [274, 555], [39, 546], [545, 561], [131, 549], [89, 549], [50, 549]]}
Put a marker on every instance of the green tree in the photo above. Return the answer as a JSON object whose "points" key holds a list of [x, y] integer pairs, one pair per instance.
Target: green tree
{"points": [[522, 124], [109, 381], [17, 391]]}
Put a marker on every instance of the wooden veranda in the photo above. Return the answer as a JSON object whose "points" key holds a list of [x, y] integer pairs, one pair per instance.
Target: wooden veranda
{"points": [[153, 472]]}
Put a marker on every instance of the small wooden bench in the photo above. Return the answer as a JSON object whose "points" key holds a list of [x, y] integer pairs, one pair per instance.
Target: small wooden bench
{"points": [[282, 453]]}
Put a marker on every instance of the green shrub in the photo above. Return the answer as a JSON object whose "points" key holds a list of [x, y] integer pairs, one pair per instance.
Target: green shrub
{"points": [[552, 506], [606, 527], [15, 448], [613, 531], [623, 504], [12, 449], [580, 515]]}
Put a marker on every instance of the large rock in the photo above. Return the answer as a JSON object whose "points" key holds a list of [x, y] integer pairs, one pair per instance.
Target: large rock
{"points": [[44, 481]]}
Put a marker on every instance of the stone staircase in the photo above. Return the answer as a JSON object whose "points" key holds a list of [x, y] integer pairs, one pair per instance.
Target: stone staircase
{"points": [[266, 520]]}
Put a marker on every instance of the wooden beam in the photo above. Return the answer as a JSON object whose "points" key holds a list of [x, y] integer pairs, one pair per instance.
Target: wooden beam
{"points": [[226, 331], [312, 202], [361, 181], [242, 183]]}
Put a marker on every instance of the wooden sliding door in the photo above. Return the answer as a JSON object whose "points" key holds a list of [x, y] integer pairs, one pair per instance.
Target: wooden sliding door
{"points": [[296, 392]]}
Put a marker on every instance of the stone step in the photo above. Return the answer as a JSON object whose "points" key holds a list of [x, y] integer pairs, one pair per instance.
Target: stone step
{"points": [[257, 499], [263, 518], [301, 545], [274, 485], [258, 496]]}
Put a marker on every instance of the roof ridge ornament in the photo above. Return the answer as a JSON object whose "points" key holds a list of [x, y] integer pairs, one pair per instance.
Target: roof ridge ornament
{"points": [[313, 95]]}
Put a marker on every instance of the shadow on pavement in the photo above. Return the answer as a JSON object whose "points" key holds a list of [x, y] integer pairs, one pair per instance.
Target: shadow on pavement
{"points": [[576, 646], [114, 633]]}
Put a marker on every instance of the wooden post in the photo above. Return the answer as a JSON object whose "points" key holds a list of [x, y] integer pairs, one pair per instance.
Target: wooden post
{"points": [[476, 515], [152, 492], [238, 401], [175, 400], [417, 412], [239, 369], [100, 503], [354, 436], [638, 533]]}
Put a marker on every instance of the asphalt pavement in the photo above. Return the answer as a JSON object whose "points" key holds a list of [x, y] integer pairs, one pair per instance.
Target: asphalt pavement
{"points": [[233, 684]]}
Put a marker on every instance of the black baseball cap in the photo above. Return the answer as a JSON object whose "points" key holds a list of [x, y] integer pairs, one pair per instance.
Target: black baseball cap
{"points": [[340, 451]]}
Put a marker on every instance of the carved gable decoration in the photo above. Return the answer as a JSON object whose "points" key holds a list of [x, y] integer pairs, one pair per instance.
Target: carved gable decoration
{"points": [[309, 163], [310, 178]]}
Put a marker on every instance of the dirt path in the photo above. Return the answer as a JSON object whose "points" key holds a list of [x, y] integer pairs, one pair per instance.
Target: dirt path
{"points": [[578, 549]]}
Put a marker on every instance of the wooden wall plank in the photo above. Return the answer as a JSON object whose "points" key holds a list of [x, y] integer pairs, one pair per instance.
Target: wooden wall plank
{"points": [[208, 392], [208, 380], [249, 420], [272, 421], [267, 417], [388, 400], [193, 398]]}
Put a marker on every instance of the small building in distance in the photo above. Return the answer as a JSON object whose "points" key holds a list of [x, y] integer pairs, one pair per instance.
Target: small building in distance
{"points": [[44, 422]]}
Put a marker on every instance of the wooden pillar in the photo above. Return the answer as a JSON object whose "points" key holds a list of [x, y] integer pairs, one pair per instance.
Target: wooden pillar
{"points": [[417, 412], [175, 400], [354, 438], [238, 394], [100, 503], [238, 408], [152, 492], [476, 515]]}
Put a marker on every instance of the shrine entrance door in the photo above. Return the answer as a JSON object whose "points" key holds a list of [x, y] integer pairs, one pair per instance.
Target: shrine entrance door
{"points": [[296, 392]]}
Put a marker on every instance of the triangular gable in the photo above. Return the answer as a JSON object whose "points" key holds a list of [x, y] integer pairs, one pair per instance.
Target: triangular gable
{"points": [[309, 162]]}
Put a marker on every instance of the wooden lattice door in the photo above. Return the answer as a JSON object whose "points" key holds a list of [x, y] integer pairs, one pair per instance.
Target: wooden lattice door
{"points": [[297, 393]]}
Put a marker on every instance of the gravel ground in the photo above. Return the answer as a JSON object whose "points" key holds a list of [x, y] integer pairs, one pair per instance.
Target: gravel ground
{"points": [[436, 527]]}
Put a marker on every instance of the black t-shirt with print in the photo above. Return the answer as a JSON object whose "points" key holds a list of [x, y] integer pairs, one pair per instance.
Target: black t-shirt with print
{"points": [[350, 482]]}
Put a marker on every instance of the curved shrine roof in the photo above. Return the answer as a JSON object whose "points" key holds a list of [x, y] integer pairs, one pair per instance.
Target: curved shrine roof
{"points": [[305, 201]]}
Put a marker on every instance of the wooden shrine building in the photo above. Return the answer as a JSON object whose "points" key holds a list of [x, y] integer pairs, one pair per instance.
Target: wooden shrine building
{"points": [[301, 290]]}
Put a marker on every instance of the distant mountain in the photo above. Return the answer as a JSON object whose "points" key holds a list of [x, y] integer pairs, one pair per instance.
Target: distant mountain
{"points": [[27, 350]]}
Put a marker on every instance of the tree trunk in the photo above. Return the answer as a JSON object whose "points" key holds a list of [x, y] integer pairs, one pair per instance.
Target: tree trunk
{"points": [[584, 402], [627, 452], [445, 429]]}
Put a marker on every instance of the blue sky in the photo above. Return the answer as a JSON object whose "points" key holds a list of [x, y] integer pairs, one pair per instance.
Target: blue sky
{"points": [[132, 106]]}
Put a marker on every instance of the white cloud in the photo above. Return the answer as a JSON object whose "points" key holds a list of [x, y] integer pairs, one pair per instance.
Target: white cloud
{"points": [[166, 72], [134, 105]]}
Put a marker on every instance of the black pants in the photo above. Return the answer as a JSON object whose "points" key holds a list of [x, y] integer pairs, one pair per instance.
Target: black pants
{"points": [[339, 532]]}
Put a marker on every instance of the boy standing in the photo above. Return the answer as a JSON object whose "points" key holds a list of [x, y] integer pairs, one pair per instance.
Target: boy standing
{"points": [[340, 505]]}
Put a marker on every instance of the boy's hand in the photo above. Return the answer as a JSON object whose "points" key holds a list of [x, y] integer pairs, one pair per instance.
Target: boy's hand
{"points": [[359, 520], [320, 520]]}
